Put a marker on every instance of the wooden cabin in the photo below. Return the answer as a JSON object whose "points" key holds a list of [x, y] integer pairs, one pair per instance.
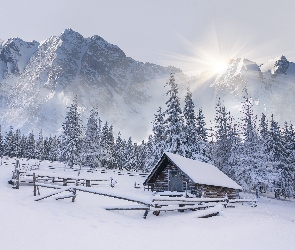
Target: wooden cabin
{"points": [[176, 173]]}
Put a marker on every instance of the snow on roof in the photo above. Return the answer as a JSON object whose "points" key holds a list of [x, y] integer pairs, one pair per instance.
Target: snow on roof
{"points": [[202, 173]]}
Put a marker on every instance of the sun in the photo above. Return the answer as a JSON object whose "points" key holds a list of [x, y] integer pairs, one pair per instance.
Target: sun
{"points": [[219, 66], [208, 54]]}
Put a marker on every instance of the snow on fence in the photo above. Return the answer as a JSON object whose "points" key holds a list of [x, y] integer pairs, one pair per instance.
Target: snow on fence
{"points": [[167, 203], [174, 201], [29, 178]]}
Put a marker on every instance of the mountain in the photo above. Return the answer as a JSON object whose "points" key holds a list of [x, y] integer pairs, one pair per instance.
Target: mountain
{"points": [[39, 80], [271, 86]]}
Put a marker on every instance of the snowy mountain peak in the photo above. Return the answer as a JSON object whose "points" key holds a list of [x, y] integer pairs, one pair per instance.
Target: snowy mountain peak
{"points": [[71, 35], [15, 55], [276, 66], [235, 73], [38, 81]]}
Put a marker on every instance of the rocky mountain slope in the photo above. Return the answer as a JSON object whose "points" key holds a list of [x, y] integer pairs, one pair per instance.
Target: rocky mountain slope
{"points": [[39, 80], [271, 86]]}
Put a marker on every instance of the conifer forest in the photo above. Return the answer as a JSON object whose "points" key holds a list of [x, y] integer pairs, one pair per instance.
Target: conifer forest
{"points": [[254, 150]]}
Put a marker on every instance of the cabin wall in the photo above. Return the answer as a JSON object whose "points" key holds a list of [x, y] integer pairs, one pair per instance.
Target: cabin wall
{"points": [[161, 183], [215, 192]]}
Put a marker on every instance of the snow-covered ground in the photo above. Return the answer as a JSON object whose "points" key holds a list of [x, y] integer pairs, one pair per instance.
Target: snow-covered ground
{"points": [[85, 224]]}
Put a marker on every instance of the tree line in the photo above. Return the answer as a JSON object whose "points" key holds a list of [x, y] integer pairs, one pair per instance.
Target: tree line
{"points": [[256, 153]]}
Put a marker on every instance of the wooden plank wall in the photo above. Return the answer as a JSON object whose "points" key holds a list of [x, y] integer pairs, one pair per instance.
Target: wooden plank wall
{"points": [[161, 184], [215, 192]]}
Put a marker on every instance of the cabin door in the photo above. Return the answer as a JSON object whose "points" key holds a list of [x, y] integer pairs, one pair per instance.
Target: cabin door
{"points": [[175, 181]]}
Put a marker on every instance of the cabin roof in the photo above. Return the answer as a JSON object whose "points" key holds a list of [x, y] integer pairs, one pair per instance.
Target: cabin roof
{"points": [[200, 172]]}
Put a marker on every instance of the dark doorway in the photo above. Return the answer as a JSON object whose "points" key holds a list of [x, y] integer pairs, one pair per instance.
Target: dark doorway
{"points": [[175, 181]]}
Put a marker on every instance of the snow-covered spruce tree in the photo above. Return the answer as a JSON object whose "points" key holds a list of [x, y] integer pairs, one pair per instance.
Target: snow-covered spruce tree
{"points": [[129, 154], [47, 142], [119, 152], [1, 144], [39, 150], [279, 158], [174, 135], [236, 170], [17, 143], [111, 140], [70, 146], [202, 135], [54, 149], [223, 143], [252, 155], [107, 147], [141, 156], [191, 145], [23, 145], [201, 126], [137, 158], [149, 159], [91, 142], [275, 145], [9, 143], [30, 146], [263, 128], [287, 170], [105, 150], [158, 139]]}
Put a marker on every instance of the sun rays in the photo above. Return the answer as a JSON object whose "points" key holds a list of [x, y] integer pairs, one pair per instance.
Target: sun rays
{"points": [[212, 51]]}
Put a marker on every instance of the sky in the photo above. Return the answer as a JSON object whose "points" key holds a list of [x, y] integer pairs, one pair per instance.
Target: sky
{"points": [[189, 34]]}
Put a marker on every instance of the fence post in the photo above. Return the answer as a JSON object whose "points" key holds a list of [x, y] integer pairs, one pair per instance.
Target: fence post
{"points": [[75, 191], [34, 181], [17, 180], [64, 181]]}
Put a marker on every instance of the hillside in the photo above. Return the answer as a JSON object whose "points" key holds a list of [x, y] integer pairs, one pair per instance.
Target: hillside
{"points": [[39, 80]]}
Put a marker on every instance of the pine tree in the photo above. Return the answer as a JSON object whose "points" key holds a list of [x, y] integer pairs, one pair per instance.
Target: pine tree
{"points": [[71, 136], [39, 149], [30, 146], [275, 145], [136, 161], [223, 143], [107, 147], [191, 142], [1, 144], [17, 143], [252, 155], [23, 145], [129, 154], [158, 138], [141, 156], [202, 135], [119, 152], [287, 169], [54, 149], [201, 126], [91, 142], [9, 143], [149, 159], [47, 147], [174, 135], [263, 128], [111, 142]]}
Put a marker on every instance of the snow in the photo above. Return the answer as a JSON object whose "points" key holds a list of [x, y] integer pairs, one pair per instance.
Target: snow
{"points": [[203, 173], [85, 224], [212, 210]]}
